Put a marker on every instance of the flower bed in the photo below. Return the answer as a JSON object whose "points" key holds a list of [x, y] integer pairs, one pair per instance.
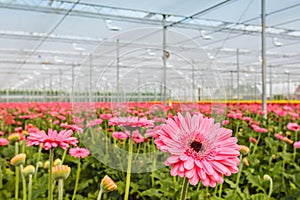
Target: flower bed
{"points": [[148, 151]]}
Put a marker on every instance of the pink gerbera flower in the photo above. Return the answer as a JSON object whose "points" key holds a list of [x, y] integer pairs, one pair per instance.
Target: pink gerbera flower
{"points": [[79, 152], [137, 137], [297, 144], [130, 121], [95, 122], [121, 135], [73, 127], [293, 126], [200, 150], [52, 139], [3, 142]]}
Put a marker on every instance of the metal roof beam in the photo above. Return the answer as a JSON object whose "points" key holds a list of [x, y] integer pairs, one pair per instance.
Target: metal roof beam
{"points": [[137, 16]]}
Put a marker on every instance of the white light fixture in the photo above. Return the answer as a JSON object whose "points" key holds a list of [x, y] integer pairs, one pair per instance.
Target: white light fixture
{"points": [[211, 57], [76, 47], [204, 36], [58, 60], [276, 42], [111, 27]]}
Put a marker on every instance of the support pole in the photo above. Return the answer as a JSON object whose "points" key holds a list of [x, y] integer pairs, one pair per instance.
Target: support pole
{"points": [[118, 70], [60, 81], [263, 56], [91, 78], [238, 75], [73, 81], [164, 81], [193, 79], [271, 92], [288, 84]]}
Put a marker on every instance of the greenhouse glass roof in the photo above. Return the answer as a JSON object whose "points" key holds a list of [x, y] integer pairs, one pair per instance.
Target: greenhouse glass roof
{"points": [[112, 45]]}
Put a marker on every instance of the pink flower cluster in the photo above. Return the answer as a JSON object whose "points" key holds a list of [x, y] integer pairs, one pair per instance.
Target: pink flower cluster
{"points": [[130, 121], [93, 123], [259, 129]]}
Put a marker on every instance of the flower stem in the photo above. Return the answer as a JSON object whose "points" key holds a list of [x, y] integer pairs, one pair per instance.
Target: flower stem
{"points": [[283, 167], [239, 174], [128, 170], [296, 139], [50, 191], [23, 183], [64, 156], [60, 188], [37, 161], [17, 183], [220, 190], [255, 146], [77, 180], [267, 177], [30, 187], [184, 189], [100, 194], [153, 169], [1, 178], [23, 146], [237, 129], [16, 148]]}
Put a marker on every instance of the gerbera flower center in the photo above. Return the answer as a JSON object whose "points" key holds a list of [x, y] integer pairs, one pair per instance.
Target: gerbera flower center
{"points": [[197, 146]]}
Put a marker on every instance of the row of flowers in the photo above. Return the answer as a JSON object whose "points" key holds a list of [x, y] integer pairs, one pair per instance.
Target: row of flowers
{"points": [[199, 150]]}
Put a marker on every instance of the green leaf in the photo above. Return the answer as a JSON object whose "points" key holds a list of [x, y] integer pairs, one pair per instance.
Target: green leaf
{"points": [[259, 196], [255, 181], [230, 183], [151, 193]]}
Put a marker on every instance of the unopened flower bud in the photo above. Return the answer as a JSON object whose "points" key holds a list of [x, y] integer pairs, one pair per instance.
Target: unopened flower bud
{"points": [[61, 172], [288, 140], [246, 162], [57, 162], [46, 164], [40, 164], [18, 160], [29, 169], [108, 183], [266, 177], [244, 149], [14, 137], [253, 140]]}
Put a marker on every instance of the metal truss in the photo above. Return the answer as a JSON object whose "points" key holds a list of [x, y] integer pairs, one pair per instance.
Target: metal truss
{"points": [[96, 41], [136, 16]]}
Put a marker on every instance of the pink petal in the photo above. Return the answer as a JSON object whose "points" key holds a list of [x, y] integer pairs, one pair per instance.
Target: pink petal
{"points": [[189, 163]]}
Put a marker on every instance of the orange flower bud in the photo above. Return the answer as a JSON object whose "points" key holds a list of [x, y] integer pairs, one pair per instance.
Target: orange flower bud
{"points": [[246, 162], [108, 183]]}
